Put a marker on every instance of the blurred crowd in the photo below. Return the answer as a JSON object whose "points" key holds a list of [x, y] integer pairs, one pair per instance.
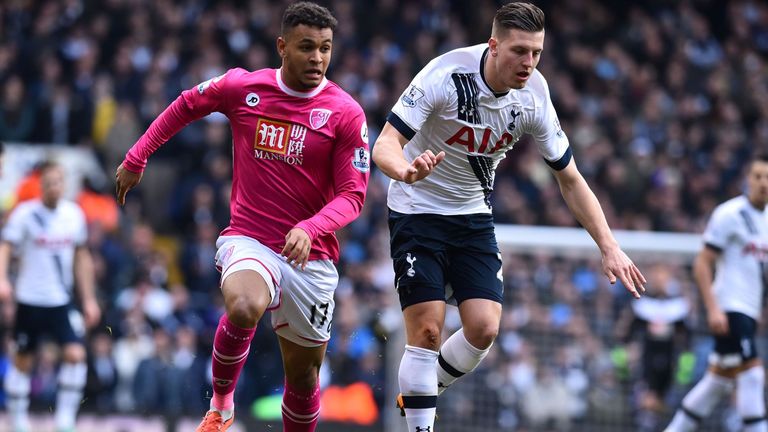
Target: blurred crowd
{"points": [[663, 101]]}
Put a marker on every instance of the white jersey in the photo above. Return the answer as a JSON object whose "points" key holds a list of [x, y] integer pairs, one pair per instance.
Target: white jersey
{"points": [[740, 232], [45, 241], [450, 107]]}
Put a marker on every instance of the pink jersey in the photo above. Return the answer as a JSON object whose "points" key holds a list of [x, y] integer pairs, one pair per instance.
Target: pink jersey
{"points": [[300, 159]]}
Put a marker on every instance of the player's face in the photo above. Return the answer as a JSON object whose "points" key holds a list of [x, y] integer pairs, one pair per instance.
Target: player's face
{"points": [[306, 53], [757, 183], [517, 53], [52, 185]]}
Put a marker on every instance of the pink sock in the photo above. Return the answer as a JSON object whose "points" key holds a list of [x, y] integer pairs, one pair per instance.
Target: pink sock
{"points": [[301, 409], [230, 350]]}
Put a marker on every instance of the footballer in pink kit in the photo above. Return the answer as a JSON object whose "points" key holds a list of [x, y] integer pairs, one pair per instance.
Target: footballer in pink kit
{"points": [[301, 162]]}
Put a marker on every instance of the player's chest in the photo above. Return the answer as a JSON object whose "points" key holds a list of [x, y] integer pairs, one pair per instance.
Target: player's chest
{"points": [[293, 136], [50, 232], [484, 127]]}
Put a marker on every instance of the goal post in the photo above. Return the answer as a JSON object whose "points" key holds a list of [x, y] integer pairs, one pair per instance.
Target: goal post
{"points": [[570, 241]]}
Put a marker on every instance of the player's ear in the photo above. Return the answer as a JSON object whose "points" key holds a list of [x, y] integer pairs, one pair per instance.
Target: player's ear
{"points": [[493, 46], [281, 46]]}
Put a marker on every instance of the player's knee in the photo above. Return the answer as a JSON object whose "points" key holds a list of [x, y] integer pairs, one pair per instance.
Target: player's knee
{"points": [[428, 336], [245, 311], [482, 334]]}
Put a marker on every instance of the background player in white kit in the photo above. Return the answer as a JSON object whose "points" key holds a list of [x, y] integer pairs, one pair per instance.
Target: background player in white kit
{"points": [[49, 236], [469, 106], [736, 244], [301, 165]]}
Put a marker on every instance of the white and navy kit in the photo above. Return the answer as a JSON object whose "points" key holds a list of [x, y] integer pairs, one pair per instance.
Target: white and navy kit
{"points": [[450, 107], [739, 232], [45, 241]]}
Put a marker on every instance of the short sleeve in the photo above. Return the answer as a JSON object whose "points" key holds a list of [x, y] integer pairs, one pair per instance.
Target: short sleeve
{"points": [[81, 232], [423, 96], [549, 136], [14, 231], [719, 230]]}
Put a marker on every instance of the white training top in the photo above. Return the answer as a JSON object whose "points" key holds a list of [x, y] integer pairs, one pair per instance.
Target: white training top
{"points": [[740, 232], [450, 107], [45, 241]]}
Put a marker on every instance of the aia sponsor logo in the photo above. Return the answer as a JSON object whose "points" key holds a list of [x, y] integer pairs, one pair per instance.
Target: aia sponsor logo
{"points": [[318, 117], [760, 252], [278, 140], [467, 138]]}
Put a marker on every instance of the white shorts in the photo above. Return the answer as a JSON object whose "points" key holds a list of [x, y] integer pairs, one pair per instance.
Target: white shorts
{"points": [[302, 300]]}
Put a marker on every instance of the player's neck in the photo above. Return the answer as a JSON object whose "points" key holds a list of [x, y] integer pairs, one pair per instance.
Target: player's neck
{"points": [[50, 204], [294, 83], [756, 203]]}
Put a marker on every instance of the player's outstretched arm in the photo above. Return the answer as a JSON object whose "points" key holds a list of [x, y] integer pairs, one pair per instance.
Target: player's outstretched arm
{"points": [[388, 156], [125, 180], [586, 209]]}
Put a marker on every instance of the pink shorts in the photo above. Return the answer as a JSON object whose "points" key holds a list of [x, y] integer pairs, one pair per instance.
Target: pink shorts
{"points": [[302, 300]]}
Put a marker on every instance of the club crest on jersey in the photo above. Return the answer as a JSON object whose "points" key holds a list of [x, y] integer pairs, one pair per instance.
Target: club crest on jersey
{"points": [[318, 117], [362, 160], [514, 113], [411, 96]]}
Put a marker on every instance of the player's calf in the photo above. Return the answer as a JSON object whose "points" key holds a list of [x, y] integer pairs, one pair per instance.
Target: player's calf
{"points": [[749, 399]]}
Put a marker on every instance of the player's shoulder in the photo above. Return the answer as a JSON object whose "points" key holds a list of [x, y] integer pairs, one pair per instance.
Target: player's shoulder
{"points": [[26, 207], [464, 59], [731, 207], [70, 206], [241, 75], [342, 100]]}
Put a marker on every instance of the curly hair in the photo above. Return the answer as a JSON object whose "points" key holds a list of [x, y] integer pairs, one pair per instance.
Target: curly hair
{"points": [[307, 13]]}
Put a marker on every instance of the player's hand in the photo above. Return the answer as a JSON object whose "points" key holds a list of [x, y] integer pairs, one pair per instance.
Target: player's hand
{"points": [[91, 313], [6, 291], [422, 166], [718, 322], [618, 266], [124, 181], [297, 247]]}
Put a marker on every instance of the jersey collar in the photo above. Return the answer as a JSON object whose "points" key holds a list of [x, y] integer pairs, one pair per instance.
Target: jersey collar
{"points": [[291, 92], [482, 75]]}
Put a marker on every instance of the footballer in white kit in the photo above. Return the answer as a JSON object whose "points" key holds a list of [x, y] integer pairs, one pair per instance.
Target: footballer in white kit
{"points": [[441, 145], [49, 237], [730, 273]]}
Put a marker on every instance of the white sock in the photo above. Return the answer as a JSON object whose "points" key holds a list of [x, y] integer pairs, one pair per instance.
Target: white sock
{"points": [[699, 402], [225, 414], [17, 386], [749, 399], [418, 384], [457, 357], [72, 377]]}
